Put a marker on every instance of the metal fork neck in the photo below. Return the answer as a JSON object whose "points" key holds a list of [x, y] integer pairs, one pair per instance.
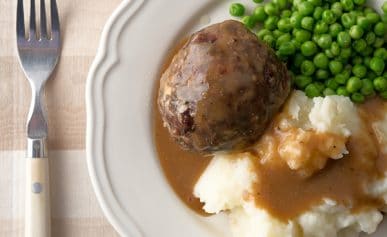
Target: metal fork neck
{"points": [[36, 148], [37, 124]]}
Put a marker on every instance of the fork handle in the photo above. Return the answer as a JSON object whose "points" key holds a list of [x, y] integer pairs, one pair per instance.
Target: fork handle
{"points": [[37, 215]]}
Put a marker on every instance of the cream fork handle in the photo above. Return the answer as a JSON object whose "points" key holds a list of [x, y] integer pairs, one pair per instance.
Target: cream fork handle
{"points": [[37, 209]]}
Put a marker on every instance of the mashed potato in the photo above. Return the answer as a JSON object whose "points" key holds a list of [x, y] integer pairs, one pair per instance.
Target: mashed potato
{"points": [[226, 184]]}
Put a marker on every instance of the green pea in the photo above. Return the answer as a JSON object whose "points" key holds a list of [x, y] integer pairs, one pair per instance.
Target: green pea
{"points": [[262, 33], [379, 29], [380, 84], [378, 42], [356, 13], [329, 91], [337, 9], [307, 68], [335, 29], [237, 9], [356, 32], [367, 61], [308, 48], [317, 14], [332, 84], [322, 74], [295, 20], [345, 53], [367, 88], [282, 4], [347, 5], [296, 44], [335, 66], [359, 45], [377, 65], [315, 38], [325, 41], [302, 81], [344, 39], [286, 14], [283, 39], [357, 60], [271, 22], [373, 17], [359, 70], [329, 53], [302, 36], [271, 9], [298, 59], [284, 25], [315, 2], [320, 86], [357, 97], [287, 49], [259, 14], [381, 53], [269, 40], [328, 17], [347, 20], [384, 7], [307, 23], [321, 27], [249, 21], [342, 91], [277, 33], [305, 8], [354, 84], [370, 38], [335, 49], [321, 61], [341, 78], [363, 22], [312, 91]]}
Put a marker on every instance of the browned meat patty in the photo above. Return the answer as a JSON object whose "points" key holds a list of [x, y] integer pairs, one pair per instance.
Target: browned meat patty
{"points": [[222, 89]]}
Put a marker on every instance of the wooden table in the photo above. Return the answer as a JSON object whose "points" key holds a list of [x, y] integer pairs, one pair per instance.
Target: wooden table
{"points": [[75, 209]]}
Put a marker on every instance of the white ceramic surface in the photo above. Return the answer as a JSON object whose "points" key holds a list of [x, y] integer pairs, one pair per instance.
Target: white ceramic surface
{"points": [[124, 169]]}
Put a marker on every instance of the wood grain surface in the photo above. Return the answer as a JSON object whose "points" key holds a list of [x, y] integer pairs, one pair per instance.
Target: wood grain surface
{"points": [[75, 209]]}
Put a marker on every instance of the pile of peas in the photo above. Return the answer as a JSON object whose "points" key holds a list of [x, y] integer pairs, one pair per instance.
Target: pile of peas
{"points": [[331, 47]]}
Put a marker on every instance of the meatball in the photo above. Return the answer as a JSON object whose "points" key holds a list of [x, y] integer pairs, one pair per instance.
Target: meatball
{"points": [[221, 89]]}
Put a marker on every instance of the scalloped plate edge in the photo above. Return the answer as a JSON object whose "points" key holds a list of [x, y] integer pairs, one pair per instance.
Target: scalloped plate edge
{"points": [[101, 65]]}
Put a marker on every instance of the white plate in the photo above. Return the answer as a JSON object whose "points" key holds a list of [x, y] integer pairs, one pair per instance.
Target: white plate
{"points": [[123, 166]]}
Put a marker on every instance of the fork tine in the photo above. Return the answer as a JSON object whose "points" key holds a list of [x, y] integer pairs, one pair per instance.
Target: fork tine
{"points": [[32, 20], [43, 20], [54, 21], [20, 28]]}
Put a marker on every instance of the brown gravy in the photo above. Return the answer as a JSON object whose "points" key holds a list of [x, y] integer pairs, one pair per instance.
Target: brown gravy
{"points": [[281, 191], [182, 168]]}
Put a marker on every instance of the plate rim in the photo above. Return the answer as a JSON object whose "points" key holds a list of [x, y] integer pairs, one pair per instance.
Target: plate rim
{"points": [[106, 57]]}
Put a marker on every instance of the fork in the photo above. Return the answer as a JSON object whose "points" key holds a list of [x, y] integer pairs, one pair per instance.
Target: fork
{"points": [[38, 56]]}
